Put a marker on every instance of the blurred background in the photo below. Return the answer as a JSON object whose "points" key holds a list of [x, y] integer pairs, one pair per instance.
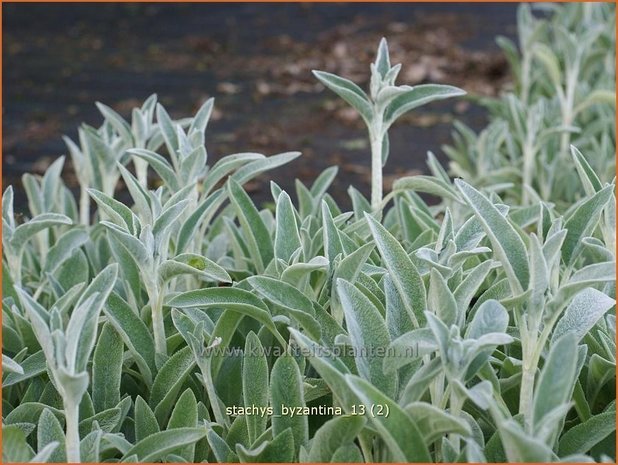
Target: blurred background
{"points": [[256, 60]]}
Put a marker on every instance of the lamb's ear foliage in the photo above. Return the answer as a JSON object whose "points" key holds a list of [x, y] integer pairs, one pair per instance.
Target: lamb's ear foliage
{"points": [[286, 391], [255, 384], [184, 322], [368, 335], [107, 369], [385, 104], [505, 240], [402, 270]]}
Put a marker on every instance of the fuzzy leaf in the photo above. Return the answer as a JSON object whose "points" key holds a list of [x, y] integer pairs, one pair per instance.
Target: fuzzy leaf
{"points": [[226, 165], [197, 265], [434, 422], [490, 317], [185, 415], [145, 421], [90, 447], [584, 436], [11, 366], [332, 434], [401, 435], [112, 209], [429, 184], [589, 178], [349, 92], [132, 244], [349, 453], [409, 347], [369, 336], [557, 377], [329, 367], [440, 299], [467, 289], [139, 195], [192, 223], [107, 369], [293, 274], [82, 327], [295, 302], [160, 165], [29, 412], [134, 333], [63, 248], [230, 298], [397, 320], [506, 243], [332, 239], [255, 384], [404, 274], [287, 237], [168, 382], [416, 97], [549, 60], [118, 123], [323, 181], [521, 447], [583, 221], [158, 445], [43, 456], [583, 313], [597, 96], [107, 420], [287, 390], [590, 275], [282, 294], [254, 168], [37, 224], [15, 449], [383, 63], [168, 217], [279, 450], [256, 233], [49, 431]]}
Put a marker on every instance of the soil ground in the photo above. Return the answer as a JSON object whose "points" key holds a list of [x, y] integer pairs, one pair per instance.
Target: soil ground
{"points": [[58, 59]]}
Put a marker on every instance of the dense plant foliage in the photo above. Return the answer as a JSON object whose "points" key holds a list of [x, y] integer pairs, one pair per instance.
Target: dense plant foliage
{"points": [[190, 325], [564, 93]]}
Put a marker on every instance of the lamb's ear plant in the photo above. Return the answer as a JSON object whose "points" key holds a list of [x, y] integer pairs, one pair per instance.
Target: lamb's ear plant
{"points": [[11, 366], [385, 103], [98, 150], [529, 269], [15, 237], [477, 328], [564, 94], [68, 348]]}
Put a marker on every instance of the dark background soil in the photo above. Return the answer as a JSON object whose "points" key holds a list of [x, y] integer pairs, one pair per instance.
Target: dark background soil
{"points": [[58, 59]]}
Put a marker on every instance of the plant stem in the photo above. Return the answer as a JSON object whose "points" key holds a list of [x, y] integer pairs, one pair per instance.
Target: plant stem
{"points": [[567, 108], [528, 168], [456, 405], [141, 170], [376, 167], [156, 299], [436, 389], [205, 368], [525, 77], [71, 413], [84, 206], [530, 362], [40, 289], [14, 262]]}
